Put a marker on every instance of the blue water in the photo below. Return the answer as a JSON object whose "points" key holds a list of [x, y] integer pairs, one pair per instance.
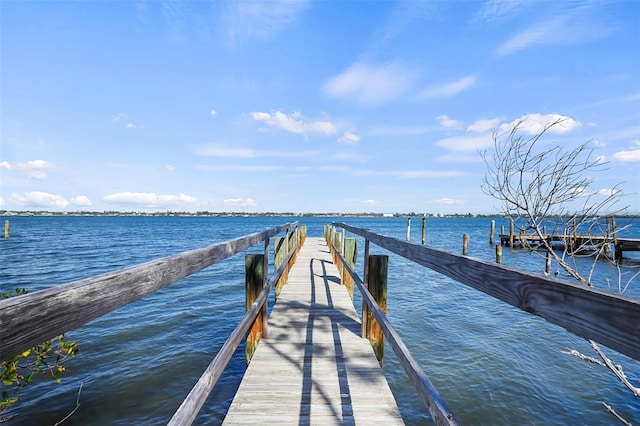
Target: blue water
{"points": [[492, 363]]}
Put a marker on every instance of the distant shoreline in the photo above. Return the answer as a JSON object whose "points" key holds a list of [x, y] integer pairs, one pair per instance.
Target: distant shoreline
{"points": [[10, 213]]}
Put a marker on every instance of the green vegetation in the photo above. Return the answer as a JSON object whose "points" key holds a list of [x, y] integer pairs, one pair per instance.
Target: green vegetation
{"points": [[47, 358]]}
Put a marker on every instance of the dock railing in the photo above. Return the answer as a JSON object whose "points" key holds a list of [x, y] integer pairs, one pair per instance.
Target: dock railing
{"points": [[608, 318], [28, 320]]}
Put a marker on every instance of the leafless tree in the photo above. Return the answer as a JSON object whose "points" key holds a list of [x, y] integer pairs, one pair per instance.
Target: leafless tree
{"points": [[545, 190]]}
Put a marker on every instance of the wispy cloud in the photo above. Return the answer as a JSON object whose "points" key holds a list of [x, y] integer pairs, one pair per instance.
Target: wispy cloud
{"points": [[570, 25], [243, 21], [223, 151], [149, 199], [370, 85], [349, 138], [500, 10], [240, 202], [483, 125], [34, 169], [294, 123], [447, 90]]}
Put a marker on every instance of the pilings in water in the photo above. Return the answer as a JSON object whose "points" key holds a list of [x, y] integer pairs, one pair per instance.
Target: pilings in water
{"points": [[6, 229]]}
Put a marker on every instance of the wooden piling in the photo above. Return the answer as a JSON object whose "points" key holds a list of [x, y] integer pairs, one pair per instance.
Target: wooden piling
{"points": [[408, 229], [254, 279], [547, 267], [511, 234], [499, 253], [349, 254], [465, 244], [493, 230], [424, 230], [377, 280], [6, 229]]}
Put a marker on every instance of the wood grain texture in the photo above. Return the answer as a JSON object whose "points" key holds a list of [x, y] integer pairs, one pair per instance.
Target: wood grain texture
{"points": [[26, 321], [314, 368], [608, 318]]}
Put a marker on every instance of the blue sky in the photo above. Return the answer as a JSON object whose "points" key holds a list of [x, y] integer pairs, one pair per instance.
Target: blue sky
{"points": [[327, 106]]}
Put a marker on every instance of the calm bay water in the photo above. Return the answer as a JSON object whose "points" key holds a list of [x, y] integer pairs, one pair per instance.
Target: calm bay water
{"points": [[492, 363]]}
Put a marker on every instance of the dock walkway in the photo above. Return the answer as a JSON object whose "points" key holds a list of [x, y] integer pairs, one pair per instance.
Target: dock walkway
{"points": [[314, 368]]}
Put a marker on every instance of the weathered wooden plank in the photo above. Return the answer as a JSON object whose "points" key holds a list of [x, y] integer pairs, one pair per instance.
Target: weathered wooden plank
{"points": [[314, 368], [30, 319], [584, 311]]}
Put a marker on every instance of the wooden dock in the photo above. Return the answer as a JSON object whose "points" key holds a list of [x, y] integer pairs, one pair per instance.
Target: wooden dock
{"points": [[313, 367]]}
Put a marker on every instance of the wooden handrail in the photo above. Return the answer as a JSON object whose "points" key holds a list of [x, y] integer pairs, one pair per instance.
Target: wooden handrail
{"points": [[438, 409], [28, 320], [608, 318], [190, 407]]}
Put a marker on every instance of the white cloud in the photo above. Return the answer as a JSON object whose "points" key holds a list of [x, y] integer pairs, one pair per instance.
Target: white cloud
{"points": [[119, 117], [370, 85], [533, 124], [35, 169], [131, 126], [481, 126], [466, 143], [240, 202], [384, 130], [222, 151], [349, 138], [243, 21], [80, 200], [213, 112], [294, 123], [38, 199], [1, 202], [448, 90], [448, 123], [630, 156], [240, 168], [448, 201], [149, 199], [607, 192], [371, 202]]}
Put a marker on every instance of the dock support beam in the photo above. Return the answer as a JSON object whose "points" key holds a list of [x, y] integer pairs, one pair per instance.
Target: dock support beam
{"points": [[254, 281], [377, 285]]}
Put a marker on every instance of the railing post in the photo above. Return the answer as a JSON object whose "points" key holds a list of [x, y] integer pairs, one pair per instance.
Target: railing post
{"points": [[424, 230], [350, 252], [365, 280], [265, 275], [378, 266], [254, 279], [280, 249]]}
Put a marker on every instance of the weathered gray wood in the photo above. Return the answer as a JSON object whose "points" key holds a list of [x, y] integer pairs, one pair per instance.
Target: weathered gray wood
{"points": [[585, 311], [188, 410], [314, 368], [440, 413], [28, 320]]}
